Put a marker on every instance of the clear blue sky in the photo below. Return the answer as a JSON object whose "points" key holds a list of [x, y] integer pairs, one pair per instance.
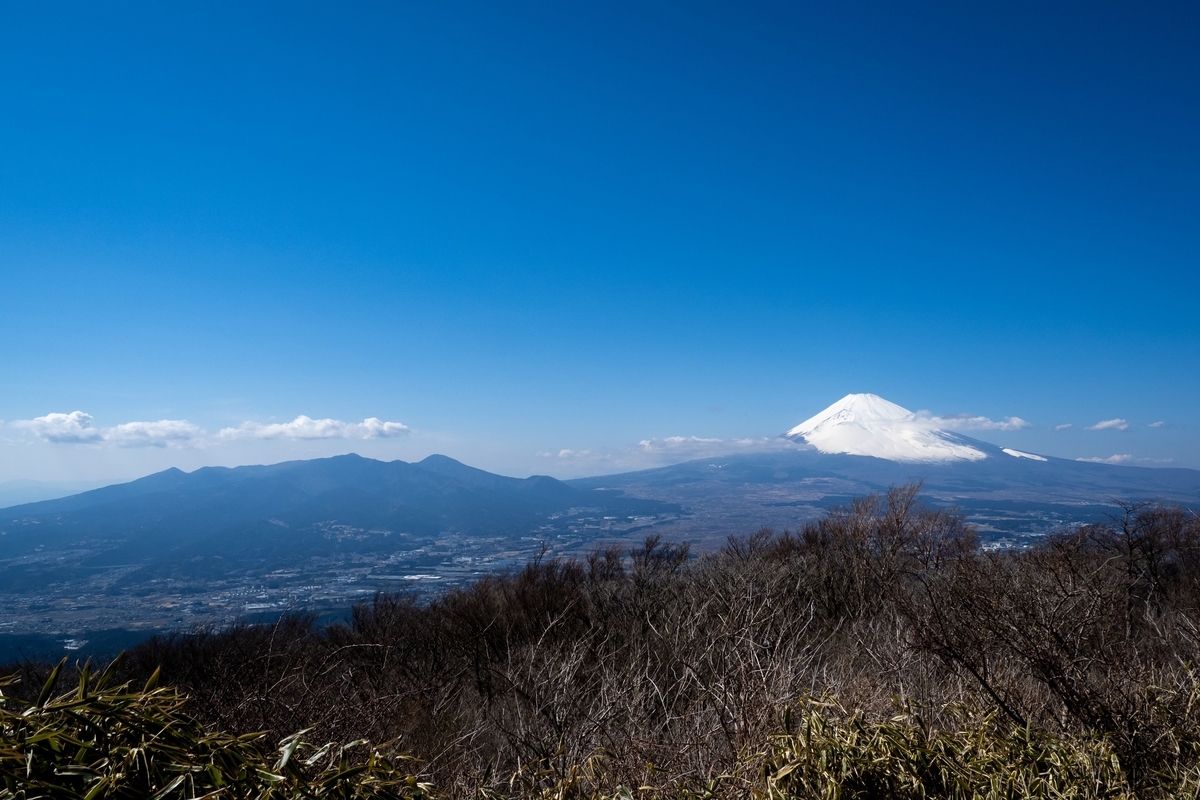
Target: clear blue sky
{"points": [[523, 228]]}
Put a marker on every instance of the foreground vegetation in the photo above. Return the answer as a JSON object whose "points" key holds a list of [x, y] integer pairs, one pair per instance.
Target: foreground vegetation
{"points": [[103, 741], [878, 652]]}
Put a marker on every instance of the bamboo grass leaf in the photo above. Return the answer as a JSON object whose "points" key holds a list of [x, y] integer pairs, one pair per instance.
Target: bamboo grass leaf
{"points": [[51, 682]]}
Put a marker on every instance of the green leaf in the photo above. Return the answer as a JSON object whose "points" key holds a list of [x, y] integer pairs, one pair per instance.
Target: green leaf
{"points": [[152, 681], [51, 682]]}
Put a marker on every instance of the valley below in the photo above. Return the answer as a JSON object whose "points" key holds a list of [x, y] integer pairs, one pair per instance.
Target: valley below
{"points": [[60, 596]]}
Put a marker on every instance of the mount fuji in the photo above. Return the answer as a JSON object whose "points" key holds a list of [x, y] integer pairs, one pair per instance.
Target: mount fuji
{"points": [[864, 443], [868, 425]]}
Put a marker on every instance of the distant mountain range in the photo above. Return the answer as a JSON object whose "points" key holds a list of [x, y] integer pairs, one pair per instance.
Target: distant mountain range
{"points": [[290, 511], [207, 547], [215, 545]]}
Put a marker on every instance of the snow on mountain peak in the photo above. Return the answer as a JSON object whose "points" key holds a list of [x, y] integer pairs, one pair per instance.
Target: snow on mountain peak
{"points": [[868, 425], [853, 408]]}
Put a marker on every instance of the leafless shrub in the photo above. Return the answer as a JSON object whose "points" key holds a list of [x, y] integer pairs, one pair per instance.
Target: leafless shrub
{"points": [[673, 670]]}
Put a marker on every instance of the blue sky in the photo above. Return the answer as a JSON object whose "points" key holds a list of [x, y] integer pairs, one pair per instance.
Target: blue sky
{"points": [[523, 229]]}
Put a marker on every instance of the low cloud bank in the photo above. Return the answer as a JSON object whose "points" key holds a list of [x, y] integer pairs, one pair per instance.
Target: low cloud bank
{"points": [[77, 428], [154, 434], [969, 422], [661, 451], [1125, 458], [1122, 458], [73, 428], [303, 427], [699, 447]]}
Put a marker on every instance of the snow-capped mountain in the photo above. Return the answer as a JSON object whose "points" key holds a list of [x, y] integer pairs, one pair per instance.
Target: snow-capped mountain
{"points": [[864, 444], [868, 425]]}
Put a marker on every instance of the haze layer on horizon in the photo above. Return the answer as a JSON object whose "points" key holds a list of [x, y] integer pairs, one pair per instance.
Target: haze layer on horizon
{"points": [[571, 240]]}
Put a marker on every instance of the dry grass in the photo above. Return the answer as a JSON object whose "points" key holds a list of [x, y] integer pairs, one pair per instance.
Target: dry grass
{"points": [[104, 741], [672, 675]]}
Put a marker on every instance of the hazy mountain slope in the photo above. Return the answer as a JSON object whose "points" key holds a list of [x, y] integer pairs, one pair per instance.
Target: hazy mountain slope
{"points": [[1002, 494], [1055, 479], [19, 492], [288, 512]]}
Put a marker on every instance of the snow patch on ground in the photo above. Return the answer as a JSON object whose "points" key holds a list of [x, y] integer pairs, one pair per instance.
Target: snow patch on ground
{"points": [[1019, 454]]}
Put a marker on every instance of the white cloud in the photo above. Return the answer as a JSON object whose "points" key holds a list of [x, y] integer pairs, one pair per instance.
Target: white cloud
{"points": [[1159, 424], [378, 429], [700, 447], [303, 427], [968, 422], [676, 443], [1125, 458], [73, 428], [681, 446], [77, 428], [1063, 426], [154, 434], [1114, 459], [661, 451], [1110, 425]]}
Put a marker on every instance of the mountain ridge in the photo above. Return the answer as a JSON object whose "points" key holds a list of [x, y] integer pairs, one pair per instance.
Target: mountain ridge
{"points": [[344, 507]]}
